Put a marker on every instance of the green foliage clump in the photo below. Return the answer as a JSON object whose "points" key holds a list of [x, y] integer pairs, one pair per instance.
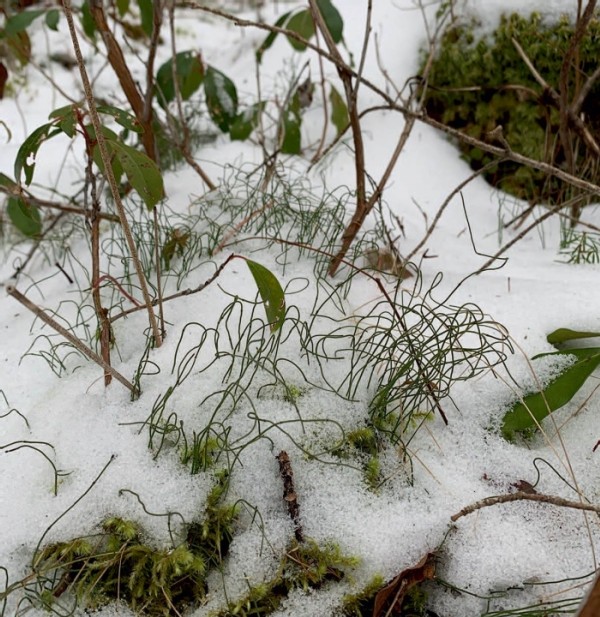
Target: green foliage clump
{"points": [[366, 443], [478, 84], [304, 566], [361, 603], [117, 564]]}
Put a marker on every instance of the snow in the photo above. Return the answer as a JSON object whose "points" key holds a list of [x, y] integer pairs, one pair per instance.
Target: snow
{"points": [[83, 427]]}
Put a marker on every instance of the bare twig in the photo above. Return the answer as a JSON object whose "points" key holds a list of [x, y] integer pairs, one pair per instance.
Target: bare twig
{"points": [[289, 492], [447, 201], [179, 294], [184, 143], [109, 172], [77, 343], [556, 99], [522, 496]]}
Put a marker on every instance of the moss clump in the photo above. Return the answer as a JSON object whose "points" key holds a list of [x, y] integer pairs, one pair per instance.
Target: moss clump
{"points": [[304, 566], [476, 85], [117, 564], [366, 443]]}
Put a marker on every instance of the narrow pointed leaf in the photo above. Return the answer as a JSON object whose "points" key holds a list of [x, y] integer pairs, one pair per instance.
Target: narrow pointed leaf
{"points": [[110, 137], [67, 118], [122, 117], [52, 18], [565, 334], [7, 182], [25, 217], [270, 292], [146, 12], [332, 18], [301, 23], [339, 111], [292, 138], [20, 21], [122, 7], [87, 21], [556, 394], [25, 160], [141, 171], [271, 38], [221, 98]]}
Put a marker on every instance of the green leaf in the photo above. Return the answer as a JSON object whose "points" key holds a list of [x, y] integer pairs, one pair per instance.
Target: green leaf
{"points": [[25, 217], [301, 23], [339, 110], [87, 21], [110, 136], [122, 7], [25, 160], [271, 294], [221, 98], [52, 18], [122, 117], [565, 334], [271, 38], [556, 394], [7, 182], [146, 12], [333, 20], [292, 137], [20, 46], [141, 171], [246, 122], [20, 21], [67, 118], [189, 72]]}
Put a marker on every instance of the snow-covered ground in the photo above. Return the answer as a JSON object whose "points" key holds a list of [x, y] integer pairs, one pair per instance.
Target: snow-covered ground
{"points": [[494, 559]]}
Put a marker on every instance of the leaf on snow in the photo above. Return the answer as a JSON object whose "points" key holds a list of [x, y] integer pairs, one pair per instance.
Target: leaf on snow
{"points": [[270, 292]]}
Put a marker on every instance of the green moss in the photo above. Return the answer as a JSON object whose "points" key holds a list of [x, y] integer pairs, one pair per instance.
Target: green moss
{"points": [[365, 443], [361, 603], [117, 564], [476, 85], [304, 566]]}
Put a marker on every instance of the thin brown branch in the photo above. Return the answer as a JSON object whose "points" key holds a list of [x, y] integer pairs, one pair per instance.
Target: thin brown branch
{"points": [[573, 119], [447, 201], [119, 65], [184, 143], [52, 205], [108, 171], [585, 91], [77, 343], [179, 294], [522, 496]]}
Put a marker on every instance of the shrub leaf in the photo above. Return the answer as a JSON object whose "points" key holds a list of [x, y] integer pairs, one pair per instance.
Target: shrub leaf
{"points": [[25, 160], [556, 394], [141, 171], [270, 292], [25, 217], [189, 72], [565, 334], [221, 98]]}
